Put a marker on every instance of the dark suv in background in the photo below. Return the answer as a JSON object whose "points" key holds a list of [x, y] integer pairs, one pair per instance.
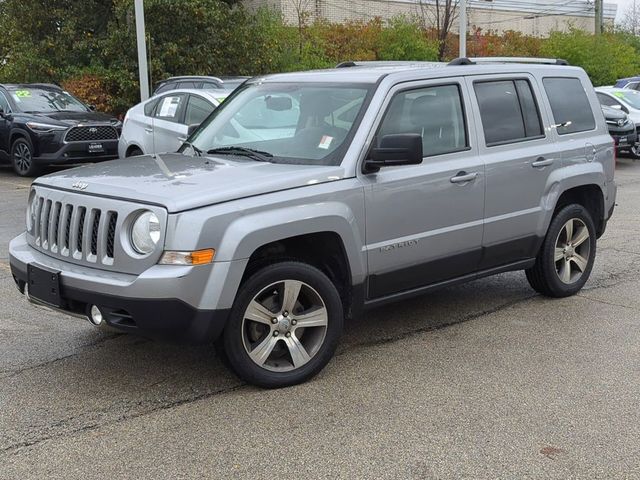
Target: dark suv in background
{"points": [[41, 124]]}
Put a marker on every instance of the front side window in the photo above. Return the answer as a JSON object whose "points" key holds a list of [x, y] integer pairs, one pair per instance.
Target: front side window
{"points": [[435, 113], [197, 110], [630, 97], [169, 108], [508, 111], [300, 123], [570, 105], [38, 100]]}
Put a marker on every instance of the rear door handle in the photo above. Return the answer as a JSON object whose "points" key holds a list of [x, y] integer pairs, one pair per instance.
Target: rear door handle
{"points": [[542, 162], [182, 139], [148, 130], [464, 177]]}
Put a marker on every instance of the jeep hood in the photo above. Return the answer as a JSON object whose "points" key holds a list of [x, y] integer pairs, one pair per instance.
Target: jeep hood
{"points": [[180, 182]]}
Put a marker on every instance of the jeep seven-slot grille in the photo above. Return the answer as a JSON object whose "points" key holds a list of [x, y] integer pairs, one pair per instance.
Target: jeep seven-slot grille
{"points": [[88, 134], [74, 230]]}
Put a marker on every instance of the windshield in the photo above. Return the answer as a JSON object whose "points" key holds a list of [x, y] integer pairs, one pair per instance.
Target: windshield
{"points": [[40, 100], [631, 97], [308, 123]]}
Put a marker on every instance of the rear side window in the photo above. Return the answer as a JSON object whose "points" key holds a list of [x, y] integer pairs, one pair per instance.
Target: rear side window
{"points": [[508, 110], [149, 106], [197, 110], [569, 104], [170, 108]]}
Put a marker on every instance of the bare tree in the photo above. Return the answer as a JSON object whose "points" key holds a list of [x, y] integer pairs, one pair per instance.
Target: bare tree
{"points": [[302, 9], [631, 20], [439, 15]]}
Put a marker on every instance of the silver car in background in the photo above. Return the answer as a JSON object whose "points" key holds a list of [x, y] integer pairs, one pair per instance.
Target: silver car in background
{"points": [[161, 124]]}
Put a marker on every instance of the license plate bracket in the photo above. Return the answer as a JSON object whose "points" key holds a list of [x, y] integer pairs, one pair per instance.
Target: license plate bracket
{"points": [[96, 148], [44, 285]]}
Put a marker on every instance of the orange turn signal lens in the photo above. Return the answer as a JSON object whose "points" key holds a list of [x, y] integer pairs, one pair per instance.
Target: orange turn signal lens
{"points": [[198, 257]]}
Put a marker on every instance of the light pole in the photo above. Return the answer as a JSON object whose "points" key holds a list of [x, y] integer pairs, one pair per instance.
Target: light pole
{"points": [[143, 70], [463, 29]]}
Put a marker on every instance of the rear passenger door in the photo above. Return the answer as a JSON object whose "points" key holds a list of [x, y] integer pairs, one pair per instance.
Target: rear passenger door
{"points": [[168, 123], [519, 158], [424, 222]]}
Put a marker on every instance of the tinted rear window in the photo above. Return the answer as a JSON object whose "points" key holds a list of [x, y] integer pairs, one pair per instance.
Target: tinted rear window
{"points": [[569, 104], [508, 110]]}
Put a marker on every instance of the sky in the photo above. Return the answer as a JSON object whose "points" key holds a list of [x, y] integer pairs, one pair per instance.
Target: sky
{"points": [[623, 5]]}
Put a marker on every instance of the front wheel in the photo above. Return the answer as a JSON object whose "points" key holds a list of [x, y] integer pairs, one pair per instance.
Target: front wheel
{"points": [[284, 326], [635, 152], [566, 257], [22, 158]]}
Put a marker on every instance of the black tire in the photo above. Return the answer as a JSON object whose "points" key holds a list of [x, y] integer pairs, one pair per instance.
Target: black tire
{"points": [[634, 152], [545, 276], [267, 284], [22, 158], [136, 152]]}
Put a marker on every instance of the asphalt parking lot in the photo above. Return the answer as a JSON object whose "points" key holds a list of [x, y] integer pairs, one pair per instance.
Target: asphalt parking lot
{"points": [[486, 380]]}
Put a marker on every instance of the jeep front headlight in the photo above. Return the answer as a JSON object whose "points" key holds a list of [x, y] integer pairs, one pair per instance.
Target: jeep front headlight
{"points": [[145, 232]]}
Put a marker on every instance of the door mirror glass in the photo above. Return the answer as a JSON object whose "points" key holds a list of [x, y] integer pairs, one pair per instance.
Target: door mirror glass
{"points": [[395, 149]]}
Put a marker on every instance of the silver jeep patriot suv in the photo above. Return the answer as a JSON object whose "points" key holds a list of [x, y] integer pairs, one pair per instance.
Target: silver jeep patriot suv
{"points": [[308, 197]]}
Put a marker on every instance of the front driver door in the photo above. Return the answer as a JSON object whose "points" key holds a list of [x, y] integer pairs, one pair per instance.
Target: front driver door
{"points": [[424, 222]]}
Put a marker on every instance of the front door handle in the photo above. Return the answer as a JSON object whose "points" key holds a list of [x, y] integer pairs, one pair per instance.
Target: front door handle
{"points": [[182, 139], [542, 162], [464, 177]]}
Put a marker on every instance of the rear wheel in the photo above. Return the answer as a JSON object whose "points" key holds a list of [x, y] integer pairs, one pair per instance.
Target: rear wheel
{"points": [[284, 326], [566, 257], [135, 152], [22, 158]]}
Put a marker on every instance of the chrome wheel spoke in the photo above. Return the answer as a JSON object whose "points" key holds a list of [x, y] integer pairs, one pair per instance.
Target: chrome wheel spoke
{"points": [[568, 228], [290, 296], [258, 313], [580, 237], [297, 351], [565, 271], [580, 262], [314, 318], [559, 254], [261, 353]]}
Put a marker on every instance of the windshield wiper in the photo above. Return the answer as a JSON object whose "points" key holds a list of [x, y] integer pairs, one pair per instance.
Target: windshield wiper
{"points": [[195, 149], [243, 151]]}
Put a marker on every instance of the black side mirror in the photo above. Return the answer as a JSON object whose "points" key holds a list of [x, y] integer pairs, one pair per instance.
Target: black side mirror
{"points": [[394, 150], [192, 128], [92, 107]]}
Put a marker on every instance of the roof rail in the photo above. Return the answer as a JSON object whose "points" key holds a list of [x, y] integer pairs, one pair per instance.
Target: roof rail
{"points": [[476, 60], [346, 64]]}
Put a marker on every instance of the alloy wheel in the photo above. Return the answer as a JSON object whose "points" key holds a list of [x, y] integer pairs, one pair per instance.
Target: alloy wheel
{"points": [[284, 326], [22, 157], [572, 251]]}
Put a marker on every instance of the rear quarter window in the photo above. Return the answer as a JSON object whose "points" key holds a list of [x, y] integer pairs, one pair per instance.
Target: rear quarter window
{"points": [[570, 105]]}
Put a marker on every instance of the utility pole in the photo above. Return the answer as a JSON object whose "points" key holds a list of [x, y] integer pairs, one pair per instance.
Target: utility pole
{"points": [[598, 15], [463, 29], [143, 70]]}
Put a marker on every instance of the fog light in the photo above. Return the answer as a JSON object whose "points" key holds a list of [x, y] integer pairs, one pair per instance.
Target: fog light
{"points": [[95, 315]]}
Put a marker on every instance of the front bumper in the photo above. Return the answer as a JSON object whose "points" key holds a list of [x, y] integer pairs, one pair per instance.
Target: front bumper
{"points": [[624, 139], [78, 152], [154, 304]]}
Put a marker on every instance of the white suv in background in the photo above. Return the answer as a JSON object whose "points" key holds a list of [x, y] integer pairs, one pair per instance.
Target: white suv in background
{"points": [[161, 124], [625, 100]]}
